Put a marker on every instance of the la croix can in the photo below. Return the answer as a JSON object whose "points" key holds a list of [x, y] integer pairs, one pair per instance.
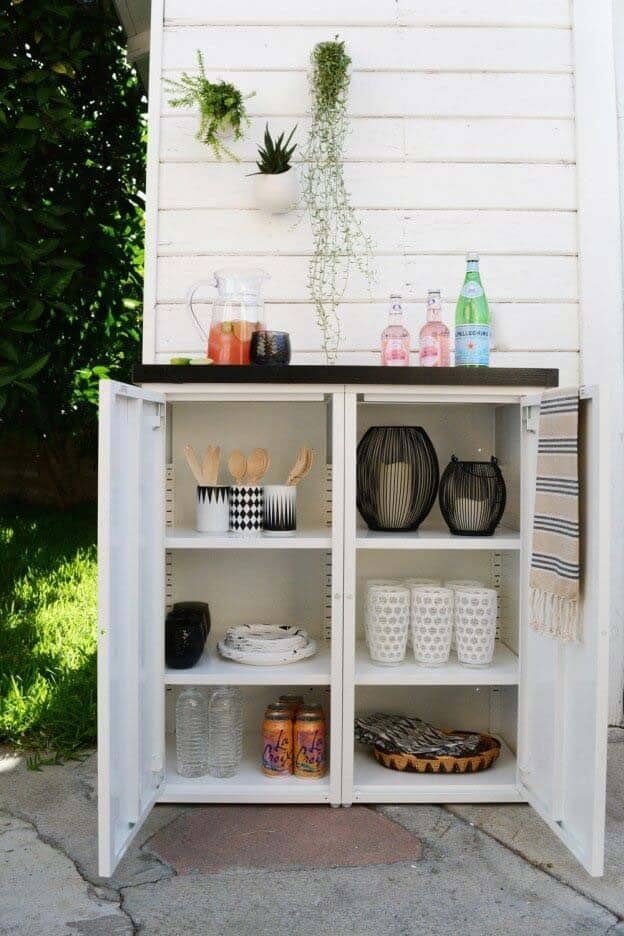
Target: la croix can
{"points": [[294, 703], [310, 743], [277, 741]]}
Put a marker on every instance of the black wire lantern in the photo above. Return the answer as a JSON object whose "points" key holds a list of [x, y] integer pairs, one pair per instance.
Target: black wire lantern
{"points": [[472, 497], [397, 477]]}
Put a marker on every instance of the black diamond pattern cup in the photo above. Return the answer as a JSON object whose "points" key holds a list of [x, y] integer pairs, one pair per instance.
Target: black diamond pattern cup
{"points": [[246, 509]]}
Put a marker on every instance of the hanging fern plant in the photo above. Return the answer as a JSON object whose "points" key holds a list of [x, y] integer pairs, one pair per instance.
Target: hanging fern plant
{"points": [[340, 242], [222, 110]]}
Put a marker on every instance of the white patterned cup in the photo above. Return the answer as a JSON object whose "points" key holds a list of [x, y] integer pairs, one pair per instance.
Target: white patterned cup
{"points": [[387, 623], [246, 509], [371, 583], [475, 625], [213, 508], [417, 583], [280, 509], [454, 584], [431, 624]]}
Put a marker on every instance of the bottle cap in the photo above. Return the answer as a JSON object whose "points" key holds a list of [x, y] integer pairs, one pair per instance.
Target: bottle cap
{"points": [[434, 293], [472, 256], [396, 296]]}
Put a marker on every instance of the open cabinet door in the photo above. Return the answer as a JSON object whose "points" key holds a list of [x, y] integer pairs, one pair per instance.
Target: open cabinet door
{"points": [[131, 573], [564, 699]]}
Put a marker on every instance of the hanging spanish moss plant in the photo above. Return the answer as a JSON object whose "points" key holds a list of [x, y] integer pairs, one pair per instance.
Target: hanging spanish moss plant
{"points": [[340, 242]]}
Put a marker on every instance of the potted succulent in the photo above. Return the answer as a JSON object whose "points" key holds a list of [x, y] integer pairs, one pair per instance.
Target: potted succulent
{"points": [[276, 184], [221, 106]]}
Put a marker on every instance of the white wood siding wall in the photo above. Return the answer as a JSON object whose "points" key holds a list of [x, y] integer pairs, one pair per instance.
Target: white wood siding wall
{"points": [[463, 139]]}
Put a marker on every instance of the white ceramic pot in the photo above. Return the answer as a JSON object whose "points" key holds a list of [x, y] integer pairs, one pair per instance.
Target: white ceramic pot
{"points": [[277, 194], [280, 509], [213, 508], [246, 509]]}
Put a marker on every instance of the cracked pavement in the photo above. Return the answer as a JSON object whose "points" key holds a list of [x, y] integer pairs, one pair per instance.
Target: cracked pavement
{"points": [[485, 870]]}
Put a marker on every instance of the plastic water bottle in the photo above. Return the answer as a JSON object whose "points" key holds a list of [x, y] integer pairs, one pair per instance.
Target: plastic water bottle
{"points": [[192, 733], [225, 732]]}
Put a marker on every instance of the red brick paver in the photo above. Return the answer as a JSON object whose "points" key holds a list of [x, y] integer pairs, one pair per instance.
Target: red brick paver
{"points": [[214, 838]]}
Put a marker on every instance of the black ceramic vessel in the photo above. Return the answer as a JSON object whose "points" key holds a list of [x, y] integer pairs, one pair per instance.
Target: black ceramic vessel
{"points": [[186, 630], [472, 497], [270, 347], [397, 477]]}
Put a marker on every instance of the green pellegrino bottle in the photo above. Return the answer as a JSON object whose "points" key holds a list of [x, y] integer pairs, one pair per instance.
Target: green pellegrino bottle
{"points": [[472, 320]]}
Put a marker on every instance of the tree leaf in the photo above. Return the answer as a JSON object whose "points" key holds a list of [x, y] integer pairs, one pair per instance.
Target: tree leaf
{"points": [[28, 122]]}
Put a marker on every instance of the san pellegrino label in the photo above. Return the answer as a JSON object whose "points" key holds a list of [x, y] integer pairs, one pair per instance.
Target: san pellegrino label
{"points": [[472, 320]]}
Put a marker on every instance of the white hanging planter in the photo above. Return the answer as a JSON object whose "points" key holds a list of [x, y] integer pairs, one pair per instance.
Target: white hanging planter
{"points": [[276, 194]]}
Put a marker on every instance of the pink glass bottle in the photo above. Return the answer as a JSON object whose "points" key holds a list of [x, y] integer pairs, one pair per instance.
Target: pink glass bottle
{"points": [[434, 335], [395, 338]]}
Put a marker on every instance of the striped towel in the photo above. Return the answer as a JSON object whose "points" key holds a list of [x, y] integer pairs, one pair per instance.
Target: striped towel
{"points": [[554, 580]]}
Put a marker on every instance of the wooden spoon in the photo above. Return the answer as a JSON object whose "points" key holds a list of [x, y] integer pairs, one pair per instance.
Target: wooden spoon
{"points": [[257, 465], [306, 468], [210, 464], [308, 465], [193, 463], [297, 467], [237, 466]]}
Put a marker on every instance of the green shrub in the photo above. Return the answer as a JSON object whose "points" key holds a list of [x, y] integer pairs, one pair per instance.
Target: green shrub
{"points": [[71, 212]]}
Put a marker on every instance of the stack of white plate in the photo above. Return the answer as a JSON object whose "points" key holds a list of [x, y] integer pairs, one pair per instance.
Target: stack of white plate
{"points": [[266, 644]]}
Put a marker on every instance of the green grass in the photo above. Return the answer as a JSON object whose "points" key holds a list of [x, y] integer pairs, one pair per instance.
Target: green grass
{"points": [[48, 596]]}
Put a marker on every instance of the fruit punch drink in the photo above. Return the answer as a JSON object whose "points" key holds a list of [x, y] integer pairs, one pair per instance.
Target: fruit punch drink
{"points": [[229, 341]]}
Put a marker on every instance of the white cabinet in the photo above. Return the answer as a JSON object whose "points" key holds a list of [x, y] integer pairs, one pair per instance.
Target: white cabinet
{"points": [[546, 702]]}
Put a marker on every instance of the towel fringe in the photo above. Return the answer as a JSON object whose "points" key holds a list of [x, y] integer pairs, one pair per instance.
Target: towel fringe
{"points": [[554, 615]]}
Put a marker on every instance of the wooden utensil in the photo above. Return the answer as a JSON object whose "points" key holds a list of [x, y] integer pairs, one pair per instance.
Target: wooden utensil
{"points": [[237, 466], [306, 466], [297, 467], [257, 465], [210, 465], [193, 462], [309, 461]]}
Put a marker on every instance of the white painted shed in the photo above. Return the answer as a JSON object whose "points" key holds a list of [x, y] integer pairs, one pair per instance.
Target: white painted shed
{"points": [[488, 125]]}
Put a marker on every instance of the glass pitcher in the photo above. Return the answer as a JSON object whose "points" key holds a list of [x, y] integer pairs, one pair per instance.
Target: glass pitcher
{"points": [[237, 312]]}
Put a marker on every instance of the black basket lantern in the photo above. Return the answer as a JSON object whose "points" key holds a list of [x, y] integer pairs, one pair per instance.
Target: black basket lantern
{"points": [[472, 497], [397, 477]]}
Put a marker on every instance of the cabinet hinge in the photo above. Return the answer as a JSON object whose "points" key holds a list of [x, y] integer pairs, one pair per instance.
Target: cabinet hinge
{"points": [[159, 416], [530, 418]]}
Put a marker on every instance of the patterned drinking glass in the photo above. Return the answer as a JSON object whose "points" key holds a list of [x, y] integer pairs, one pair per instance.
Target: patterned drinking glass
{"points": [[413, 583], [475, 625], [454, 584], [432, 624], [387, 622], [370, 583]]}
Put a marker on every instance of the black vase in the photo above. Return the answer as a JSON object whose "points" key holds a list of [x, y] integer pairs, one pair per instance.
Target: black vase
{"points": [[269, 347], [397, 477], [186, 629], [472, 497]]}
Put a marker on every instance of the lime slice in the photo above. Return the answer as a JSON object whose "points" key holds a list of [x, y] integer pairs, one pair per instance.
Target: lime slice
{"points": [[180, 360], [202, 360]]}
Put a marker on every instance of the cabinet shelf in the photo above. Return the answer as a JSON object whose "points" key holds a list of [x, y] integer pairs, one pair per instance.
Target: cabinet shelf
{"points": [[503, 671], [187, 538], [250, 785], [373, 783], [213, 670], [503, 538]]}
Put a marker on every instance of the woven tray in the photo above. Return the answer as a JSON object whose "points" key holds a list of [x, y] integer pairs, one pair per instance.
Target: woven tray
{"points": [[484, 757]]}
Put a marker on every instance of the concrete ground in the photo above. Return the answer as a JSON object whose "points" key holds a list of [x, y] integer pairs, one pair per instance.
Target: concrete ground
{"points": [[482, 870]]}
